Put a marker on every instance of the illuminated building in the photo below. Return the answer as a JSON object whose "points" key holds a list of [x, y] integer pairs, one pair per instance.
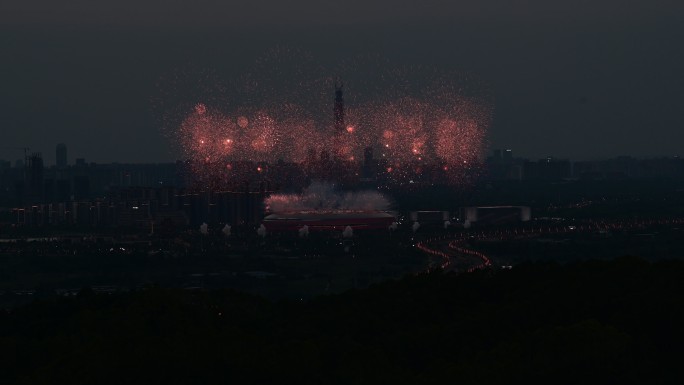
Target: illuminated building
{"points": [[496, 215]]}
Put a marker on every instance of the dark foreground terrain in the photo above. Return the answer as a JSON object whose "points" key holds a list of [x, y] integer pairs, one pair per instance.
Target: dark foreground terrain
{"points": [[619, 321]]}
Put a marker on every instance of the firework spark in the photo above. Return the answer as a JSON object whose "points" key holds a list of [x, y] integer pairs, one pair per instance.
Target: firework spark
{"points": [[414, 120]]}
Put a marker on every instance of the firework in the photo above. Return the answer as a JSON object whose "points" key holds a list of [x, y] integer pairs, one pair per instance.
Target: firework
{"points": [[415, 120]]}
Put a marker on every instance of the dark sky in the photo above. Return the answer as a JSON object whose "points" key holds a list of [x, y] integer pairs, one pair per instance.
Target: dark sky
{"points": [[580, 79]]}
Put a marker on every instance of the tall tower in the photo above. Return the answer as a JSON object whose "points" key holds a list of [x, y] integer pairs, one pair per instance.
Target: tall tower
{"points": [[61, 151], [339, 107]]}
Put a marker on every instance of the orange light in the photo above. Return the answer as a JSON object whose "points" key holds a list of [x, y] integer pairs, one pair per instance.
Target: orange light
{"points": [[242, 121]]}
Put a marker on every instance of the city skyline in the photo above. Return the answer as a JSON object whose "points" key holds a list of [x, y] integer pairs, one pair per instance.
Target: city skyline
{"points": [[337, 192], [50, 157]]}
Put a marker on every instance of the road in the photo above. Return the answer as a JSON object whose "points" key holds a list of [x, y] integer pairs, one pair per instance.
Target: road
{"points": [[451, 252]]}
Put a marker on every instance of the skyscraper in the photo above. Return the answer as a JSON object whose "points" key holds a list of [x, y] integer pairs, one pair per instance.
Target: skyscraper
{"points": [[368, 156], [61, 160], [34, 178]]}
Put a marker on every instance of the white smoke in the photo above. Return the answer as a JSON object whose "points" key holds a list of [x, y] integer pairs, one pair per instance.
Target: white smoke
{"points": [[226, 230], [204, 228], [466, 224], [261, 231], [415, 226], [304, 231], [321, 196], [447, 224], [348, 232], [393, 226]]}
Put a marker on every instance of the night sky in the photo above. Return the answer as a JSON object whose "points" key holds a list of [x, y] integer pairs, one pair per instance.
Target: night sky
{"points": [[580, 79]]}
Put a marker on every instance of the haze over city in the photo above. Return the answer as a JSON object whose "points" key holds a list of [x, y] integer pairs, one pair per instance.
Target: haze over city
{"points": [[585, 80]]}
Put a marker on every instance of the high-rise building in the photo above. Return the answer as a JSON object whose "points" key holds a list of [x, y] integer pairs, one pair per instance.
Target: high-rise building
{"points": [[61, 152], [508, 155], [368, 156], [369, 164], [34, 177], [339, 107]]}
